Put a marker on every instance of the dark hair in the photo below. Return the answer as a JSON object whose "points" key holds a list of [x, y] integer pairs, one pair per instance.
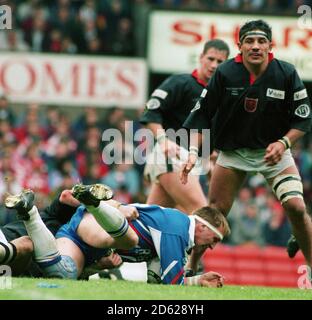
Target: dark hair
{"points": [[256, 25], [216, 44]]}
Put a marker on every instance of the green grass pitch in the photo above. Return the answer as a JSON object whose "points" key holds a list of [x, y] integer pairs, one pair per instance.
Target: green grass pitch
{"points": [[36, 289]]}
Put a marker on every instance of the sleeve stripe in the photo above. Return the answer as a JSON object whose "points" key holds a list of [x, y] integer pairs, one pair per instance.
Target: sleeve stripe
{"points": [[171, 265], [178, 276]]}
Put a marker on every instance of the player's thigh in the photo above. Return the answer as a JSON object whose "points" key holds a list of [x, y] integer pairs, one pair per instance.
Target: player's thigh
{"points": [[289, 170], [187, 197], [67, 247], [95, 236], [223, 187], [158, 195]]}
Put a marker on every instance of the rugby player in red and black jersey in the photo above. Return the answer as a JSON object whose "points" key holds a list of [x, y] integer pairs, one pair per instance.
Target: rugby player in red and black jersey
{"points": [[260, 108], [167, 108]]}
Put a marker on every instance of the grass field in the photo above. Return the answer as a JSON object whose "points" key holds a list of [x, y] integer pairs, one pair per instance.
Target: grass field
{"points": [[34, 289]]}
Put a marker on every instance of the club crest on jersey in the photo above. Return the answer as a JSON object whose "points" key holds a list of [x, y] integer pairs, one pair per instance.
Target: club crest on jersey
{"points": [[303, 111], [250, 104], [153, 104]]}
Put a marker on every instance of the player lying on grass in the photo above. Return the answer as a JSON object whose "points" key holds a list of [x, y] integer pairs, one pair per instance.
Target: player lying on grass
{"points": [[16, 248], [166, 234]]}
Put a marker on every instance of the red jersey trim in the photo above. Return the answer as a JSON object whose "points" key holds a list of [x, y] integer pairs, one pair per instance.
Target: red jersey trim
{"points": [[195, 75], [239, 59]]}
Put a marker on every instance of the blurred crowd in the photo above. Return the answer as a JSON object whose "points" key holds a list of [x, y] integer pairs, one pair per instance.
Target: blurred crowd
{"points": [[47, 150], [104, 26]]}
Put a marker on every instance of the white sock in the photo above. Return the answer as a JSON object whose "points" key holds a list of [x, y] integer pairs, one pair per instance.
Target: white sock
{"points": [[45, 247], [110, 219], [7, 250], [3, 239]]}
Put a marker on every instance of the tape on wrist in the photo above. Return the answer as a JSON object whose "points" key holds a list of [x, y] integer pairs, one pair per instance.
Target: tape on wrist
{"points": [[287, 141], [283, 143], [193, 281], [161, 137], [193, 150]]}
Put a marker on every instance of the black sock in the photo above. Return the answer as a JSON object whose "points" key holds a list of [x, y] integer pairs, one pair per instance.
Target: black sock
{"points": [[10, 252]]}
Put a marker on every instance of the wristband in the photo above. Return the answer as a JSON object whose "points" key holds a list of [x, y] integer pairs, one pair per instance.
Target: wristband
{"points": [[287, 141], [193, 150], [193, 281], [161, 137], [283, 143]]}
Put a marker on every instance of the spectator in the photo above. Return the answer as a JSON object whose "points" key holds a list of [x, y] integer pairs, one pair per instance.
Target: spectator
{"points": [[247, 228], [277, 230], [5, 111]]}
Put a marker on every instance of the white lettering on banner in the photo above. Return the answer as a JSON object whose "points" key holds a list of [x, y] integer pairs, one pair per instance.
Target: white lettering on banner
{"points": [[69, 80], [183, 34], [277, 94]]}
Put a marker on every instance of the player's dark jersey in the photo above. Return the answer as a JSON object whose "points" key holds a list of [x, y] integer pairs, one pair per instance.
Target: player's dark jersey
{"points": [[54, 216], [172, 101], [251, 114]]}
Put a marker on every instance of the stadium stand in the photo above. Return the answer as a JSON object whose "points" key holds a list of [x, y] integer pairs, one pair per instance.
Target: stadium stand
{"points": [[253, 265]]}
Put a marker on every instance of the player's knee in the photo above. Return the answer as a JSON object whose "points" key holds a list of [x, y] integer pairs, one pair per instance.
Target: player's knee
{"points": [[64, 269], [23, 245], [295, 209]]}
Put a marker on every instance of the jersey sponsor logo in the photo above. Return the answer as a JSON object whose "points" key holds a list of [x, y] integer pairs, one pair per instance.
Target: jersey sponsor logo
{"points": [[153, 104], [197, 106], [299, 95], [234, 91], [162, 94], [303, 111], [250, 104], [277, 94], [203, 94]]}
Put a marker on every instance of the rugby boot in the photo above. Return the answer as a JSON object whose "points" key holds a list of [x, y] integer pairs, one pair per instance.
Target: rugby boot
{"points": [[22, 203], [292, 246], [92, 195]]}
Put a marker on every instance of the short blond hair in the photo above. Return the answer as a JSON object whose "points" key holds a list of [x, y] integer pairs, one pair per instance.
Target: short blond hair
{"points": [[214, 217]]}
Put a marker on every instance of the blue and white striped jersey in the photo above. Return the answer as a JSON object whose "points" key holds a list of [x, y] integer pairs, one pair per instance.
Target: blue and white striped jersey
{"points": [[164, 233]]}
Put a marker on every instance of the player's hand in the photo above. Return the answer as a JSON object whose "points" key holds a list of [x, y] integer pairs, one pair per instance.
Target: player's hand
{"points": [[274, 153], [112, 261], [66, 197], [130, 213], [187, 167], [211, 279], [170, 148]]}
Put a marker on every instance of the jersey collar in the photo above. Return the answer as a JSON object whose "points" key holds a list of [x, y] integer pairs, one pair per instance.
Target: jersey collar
{"points": [[201, 82], [239, 58], [191, 243]]}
